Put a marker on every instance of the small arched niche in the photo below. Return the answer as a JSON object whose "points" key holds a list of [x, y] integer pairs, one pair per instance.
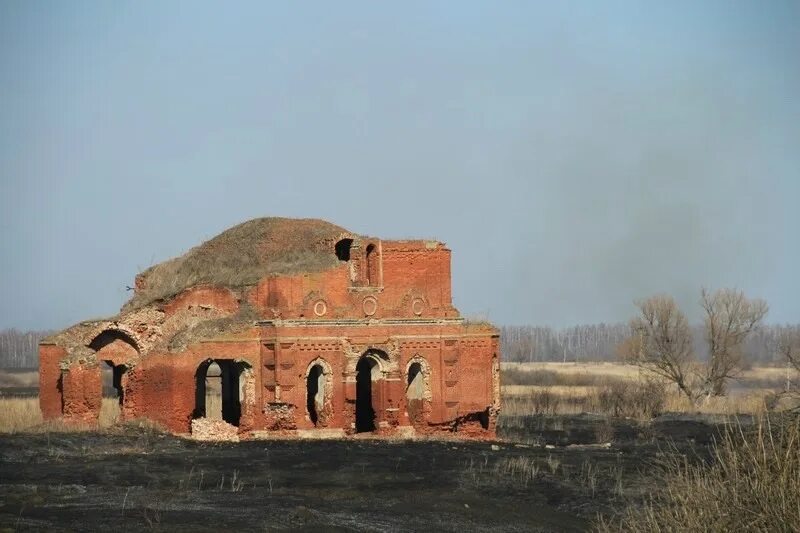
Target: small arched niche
{"points": [[371, 265]]}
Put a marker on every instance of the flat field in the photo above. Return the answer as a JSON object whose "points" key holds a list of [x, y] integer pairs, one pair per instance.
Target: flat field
{"points": [[559, 462], [617, 389], [131, 478]]}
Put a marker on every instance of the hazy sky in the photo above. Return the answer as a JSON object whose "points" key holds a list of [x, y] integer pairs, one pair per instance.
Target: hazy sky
{"points": [[574, 156]]}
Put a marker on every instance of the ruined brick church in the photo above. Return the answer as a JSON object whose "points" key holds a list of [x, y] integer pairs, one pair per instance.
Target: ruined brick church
{"points": [[311, 330]]}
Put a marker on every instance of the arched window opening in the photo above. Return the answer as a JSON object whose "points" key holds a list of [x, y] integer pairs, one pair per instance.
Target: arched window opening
{"points": [[315, 393], [416, 383], [343, 249], [367, 371], [372, 277], [418, 395]]}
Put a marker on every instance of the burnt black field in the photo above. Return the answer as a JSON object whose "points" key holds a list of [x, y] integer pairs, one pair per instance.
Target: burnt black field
{"points": [[132, 479]]}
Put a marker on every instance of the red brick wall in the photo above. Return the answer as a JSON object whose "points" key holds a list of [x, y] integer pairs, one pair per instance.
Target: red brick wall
{"points": [[216, 297], [50, 397], [83, 393], [408, 279]]}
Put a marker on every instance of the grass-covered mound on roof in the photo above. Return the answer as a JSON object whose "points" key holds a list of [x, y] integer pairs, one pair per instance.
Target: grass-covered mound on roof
{"points": [[244, 254]]}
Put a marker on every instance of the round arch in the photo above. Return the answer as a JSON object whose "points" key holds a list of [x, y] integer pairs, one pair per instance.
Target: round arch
{"points": [[319, 392], [232, 387], [417, 378], [418, 390], [114, 349], [370, 370], [109, 336]]}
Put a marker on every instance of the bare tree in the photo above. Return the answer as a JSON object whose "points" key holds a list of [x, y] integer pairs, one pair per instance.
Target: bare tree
{"points": [[790, 347], [662, 342], [730, 318]]}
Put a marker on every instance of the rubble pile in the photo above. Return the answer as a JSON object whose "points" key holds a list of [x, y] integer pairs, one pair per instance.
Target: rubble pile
{"points": [[206, 429]]}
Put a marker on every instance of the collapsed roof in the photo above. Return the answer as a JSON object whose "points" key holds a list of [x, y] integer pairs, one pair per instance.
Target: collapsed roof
{"points": [[242, 255]]}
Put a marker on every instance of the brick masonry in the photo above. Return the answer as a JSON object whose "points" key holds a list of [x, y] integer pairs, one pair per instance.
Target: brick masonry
{"points": [[291, 363]]}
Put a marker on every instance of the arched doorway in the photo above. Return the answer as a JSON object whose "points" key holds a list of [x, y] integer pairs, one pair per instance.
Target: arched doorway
{"points": [[367, 377], [113, 393], [113, 348], [112, 381], [319, 392], [220, 389]]}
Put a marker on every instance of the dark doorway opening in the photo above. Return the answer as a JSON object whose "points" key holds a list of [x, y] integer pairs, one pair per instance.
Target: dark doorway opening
{"points": [[112, 381], [365, 413], [315, 392], [218, 390]]}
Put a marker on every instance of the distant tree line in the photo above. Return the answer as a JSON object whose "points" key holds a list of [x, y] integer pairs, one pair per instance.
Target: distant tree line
{"points": [[587, 342], [20, 349], [601, 342]]}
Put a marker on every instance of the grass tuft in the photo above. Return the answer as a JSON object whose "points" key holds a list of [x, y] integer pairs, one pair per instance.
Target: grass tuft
{"points": [[751, 484]]}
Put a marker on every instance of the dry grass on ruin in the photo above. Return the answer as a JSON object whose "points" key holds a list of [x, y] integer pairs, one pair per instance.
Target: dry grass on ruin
{"points": [[242, 255]]}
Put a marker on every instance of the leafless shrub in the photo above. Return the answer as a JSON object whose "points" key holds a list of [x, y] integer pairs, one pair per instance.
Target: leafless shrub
{"points": [[544, 402], [641, 400], [752, 484]]}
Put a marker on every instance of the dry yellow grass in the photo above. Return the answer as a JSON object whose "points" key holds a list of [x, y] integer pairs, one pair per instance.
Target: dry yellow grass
{"points": [[571, 388], [752, 484], [618, 370], [565, 391], [23, 415], [518, 400], [604, 368]]}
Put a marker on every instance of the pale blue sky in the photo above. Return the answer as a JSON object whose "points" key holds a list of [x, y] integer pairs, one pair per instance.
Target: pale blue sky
{"points": [[575, 156]]}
